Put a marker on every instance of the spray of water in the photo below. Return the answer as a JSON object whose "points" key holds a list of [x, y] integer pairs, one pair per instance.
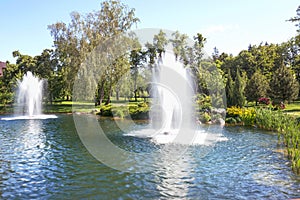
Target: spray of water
{"points": [[29, 96], [29, 99]]}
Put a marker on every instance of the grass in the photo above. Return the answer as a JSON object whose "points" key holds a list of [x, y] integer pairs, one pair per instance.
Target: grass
{"points": [[67, 106], [293, 108]]}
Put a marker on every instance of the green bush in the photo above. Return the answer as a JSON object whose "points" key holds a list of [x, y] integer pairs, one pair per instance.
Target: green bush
{"points": [[205, 117], [230, 120], [120, 111], [106, 110], [134, 111]]}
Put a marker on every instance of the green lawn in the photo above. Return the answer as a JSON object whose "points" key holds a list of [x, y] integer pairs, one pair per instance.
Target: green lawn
{"points": [[66, 106], [293, 108]]}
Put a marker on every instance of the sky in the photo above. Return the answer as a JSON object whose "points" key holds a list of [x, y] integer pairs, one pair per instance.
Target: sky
{"points": [[229, 25]]}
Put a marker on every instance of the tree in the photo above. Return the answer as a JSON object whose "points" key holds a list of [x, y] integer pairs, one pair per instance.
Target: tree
{"points": [[257, 87], [198, 47], [137, 59], [215, 54], [179, 43], [75, 41], [283, 85], [47, 68], [238, 91], [229, 89], [296, 19], [160, 41]]}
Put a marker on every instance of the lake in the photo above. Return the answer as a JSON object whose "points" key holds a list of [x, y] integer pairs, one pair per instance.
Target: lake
{"points": [[45, 159]]}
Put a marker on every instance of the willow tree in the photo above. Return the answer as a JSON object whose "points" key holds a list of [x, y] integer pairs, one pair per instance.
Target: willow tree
{"points": [[73, 42]]}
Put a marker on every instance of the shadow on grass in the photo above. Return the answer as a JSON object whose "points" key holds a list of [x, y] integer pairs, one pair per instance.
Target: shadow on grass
{"points": [[292, 110], [66, 108]]}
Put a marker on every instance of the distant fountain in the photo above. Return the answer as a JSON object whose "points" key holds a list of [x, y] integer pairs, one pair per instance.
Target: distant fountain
{"points": [[29, 95], [29, 99]]}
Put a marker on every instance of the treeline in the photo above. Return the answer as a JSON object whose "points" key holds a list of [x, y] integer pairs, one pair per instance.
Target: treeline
{"points": [[264, 70]]}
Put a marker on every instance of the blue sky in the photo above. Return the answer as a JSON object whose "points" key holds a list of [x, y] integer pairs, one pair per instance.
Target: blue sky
{"points": [[230, 25]]}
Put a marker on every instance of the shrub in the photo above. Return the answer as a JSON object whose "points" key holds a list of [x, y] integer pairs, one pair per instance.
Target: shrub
{"points": [[244, 115], [264, 100], [205, 117], [105, 110]]}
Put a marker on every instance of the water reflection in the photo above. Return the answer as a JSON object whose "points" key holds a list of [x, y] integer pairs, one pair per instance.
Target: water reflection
{"points": [[174, 179], [22, 154], [45, 159], [33, 138]]}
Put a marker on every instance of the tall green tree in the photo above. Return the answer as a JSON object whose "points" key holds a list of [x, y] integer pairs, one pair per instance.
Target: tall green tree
{"points": [[283, 85], [73, 42], [198, 47], [239, 91], [257, 87], [229, 90], [160, 41], [179, 43]]}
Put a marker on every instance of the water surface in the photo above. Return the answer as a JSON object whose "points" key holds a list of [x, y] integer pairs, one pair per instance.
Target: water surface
{"points": [[45, 159]]}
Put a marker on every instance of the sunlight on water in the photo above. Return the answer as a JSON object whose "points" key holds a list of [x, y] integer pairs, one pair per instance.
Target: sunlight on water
{"points": [[29, 117]]}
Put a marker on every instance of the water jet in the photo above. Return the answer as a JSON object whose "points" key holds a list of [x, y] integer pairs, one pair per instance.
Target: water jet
{"points": [[29, 97]]}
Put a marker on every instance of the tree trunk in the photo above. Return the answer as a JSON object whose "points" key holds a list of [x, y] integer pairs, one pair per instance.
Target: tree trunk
{"points": [[109, 95], [117, 95], [101, 96], [135, 87]]}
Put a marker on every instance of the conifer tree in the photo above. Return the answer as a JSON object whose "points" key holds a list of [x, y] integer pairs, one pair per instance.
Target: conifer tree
{"points": [[283, 86], [238, 91], [229, 89], [257, 87]]}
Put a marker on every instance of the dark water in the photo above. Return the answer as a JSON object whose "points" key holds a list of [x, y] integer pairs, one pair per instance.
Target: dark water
{"points": [[45, 159]]}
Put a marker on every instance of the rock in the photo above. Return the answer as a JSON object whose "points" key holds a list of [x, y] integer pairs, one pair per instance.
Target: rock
{"points": [[220, 121]]}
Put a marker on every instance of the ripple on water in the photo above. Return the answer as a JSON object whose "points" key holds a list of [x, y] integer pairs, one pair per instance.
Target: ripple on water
{"points": [[46, 160]]}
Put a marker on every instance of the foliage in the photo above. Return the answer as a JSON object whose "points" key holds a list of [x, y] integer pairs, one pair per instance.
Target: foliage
{"points": [[264, 100], [246, 115], [257, 87], [179, 43], [133, 111], [229, 90], [288, 128], [238, 91], [73, 42], [283, 85], [204, 102], [160, 41], [296, 19], [205, 117]]}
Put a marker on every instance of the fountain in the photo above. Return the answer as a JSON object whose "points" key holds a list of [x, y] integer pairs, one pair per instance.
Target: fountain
{"points": [[171, 112], [29, 99], [172, 92]]}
